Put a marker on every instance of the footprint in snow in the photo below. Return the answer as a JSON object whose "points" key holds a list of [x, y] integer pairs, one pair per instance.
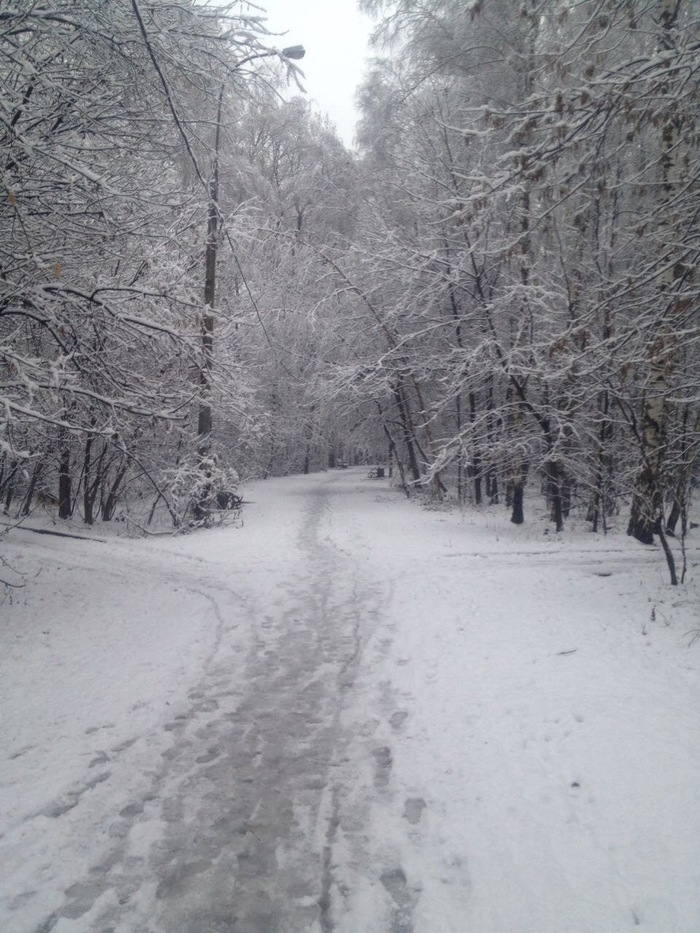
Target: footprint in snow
{"points": [[413, 810], [72, 798], [395, 883], [397, 719], [178, 723], [132, 809], [382, 765], [99, 759]]}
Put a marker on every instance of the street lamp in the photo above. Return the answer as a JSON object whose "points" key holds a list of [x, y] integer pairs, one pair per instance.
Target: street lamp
{"points": [[204, 424], [292, 52], [295, 52]]}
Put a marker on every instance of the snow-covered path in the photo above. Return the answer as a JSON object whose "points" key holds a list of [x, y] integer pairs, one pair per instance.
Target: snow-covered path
{"points": [[349, 715]]}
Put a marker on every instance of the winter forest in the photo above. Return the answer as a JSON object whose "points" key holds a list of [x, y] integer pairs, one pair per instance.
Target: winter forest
{"points": [[495, 295], [429, 406]]}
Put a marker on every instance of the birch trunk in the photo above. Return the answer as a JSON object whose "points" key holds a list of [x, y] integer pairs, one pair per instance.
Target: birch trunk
{"points": [[646, 513]]}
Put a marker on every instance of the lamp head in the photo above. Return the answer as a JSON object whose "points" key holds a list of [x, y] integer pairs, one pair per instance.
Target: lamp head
{"points": [[295, 52]]}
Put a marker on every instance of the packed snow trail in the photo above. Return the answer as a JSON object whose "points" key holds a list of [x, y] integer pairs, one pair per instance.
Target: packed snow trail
{"points": [[349, 715], [245, 790], [235, 810]]}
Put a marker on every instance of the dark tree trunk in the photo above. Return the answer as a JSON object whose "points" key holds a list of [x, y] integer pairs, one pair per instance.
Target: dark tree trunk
{"points": [[309, 437], [492, 491], [460, 462], [679, 507], [593, 513], [668, 553], [476, 460], [204, 424], [673, 517], [646, 508], [408, 433], [478, 498], [27, 504], [517, 515], [205, 420], [110, 502], [10, 487], [517, 492], [566, 493], [393, 452], [65, 504], [600, 501], [87, 486], [554, 494]]}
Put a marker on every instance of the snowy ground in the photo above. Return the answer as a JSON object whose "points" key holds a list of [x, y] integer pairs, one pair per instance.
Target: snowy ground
{"points": [[349, 715]]}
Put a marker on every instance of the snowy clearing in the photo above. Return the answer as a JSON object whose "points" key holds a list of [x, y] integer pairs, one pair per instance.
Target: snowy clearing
{"points": [[351, 715]]}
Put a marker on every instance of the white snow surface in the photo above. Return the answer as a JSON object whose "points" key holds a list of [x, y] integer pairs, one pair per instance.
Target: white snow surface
{"points": [[350, 714]]}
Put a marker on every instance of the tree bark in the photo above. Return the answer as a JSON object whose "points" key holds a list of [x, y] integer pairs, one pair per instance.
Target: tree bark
{"points": [[646, 514], [65, 504], [408, 432]]}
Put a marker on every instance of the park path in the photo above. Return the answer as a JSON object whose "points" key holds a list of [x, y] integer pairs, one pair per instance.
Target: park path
{"points": [[236, 830]]}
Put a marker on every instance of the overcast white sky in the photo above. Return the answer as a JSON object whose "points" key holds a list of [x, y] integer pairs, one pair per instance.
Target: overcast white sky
{"points": [[335, 36]]}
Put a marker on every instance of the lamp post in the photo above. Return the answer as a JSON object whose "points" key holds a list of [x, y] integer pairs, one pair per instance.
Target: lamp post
{"points": [[204, 422]]}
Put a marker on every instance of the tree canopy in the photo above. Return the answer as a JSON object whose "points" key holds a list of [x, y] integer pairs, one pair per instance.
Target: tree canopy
{"points": [[497, 290]]}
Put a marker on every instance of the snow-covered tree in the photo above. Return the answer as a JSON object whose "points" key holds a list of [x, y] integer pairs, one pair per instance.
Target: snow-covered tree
{"points": [[106, 138]]}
